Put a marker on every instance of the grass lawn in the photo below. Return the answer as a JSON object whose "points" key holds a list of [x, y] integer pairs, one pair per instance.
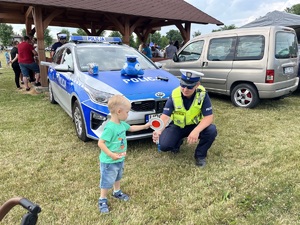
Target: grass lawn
{"points": [[252, 175]]}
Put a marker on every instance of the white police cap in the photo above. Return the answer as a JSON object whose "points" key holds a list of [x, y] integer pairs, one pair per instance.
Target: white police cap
{"points": [[62, 36], [190, 77]]}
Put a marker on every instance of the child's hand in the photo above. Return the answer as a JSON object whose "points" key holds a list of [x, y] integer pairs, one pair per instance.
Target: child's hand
{"points": [[115, 156]]}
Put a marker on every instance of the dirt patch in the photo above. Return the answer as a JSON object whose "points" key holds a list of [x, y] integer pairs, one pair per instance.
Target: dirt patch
{"points": [[32, 91]]}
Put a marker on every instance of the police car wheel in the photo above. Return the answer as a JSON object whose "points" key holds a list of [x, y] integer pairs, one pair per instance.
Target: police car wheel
{"points": [[244, 95], [51, 96], [79, 122]]}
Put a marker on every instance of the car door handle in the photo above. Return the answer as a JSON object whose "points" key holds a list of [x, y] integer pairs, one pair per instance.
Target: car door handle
{"points": [[204, 64]]}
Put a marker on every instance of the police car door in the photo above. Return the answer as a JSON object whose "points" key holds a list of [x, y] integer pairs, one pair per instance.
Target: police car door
{"points": [[64, 80]]}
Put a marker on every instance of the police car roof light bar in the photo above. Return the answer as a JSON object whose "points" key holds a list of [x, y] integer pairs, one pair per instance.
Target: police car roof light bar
{"points": [[95, 39]]}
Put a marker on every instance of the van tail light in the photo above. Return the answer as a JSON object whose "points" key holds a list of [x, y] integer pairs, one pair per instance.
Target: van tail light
{"points": [[270, 76]]}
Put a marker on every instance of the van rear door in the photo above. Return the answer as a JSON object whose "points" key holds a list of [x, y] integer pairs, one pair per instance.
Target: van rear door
{"points": [[286, 55]]}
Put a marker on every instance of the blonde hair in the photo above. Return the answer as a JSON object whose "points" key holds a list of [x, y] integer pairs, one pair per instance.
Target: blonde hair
{"points": [[116, 102]]}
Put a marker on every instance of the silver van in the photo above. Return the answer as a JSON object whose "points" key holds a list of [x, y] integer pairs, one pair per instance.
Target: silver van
{"points": [[247, 64]]}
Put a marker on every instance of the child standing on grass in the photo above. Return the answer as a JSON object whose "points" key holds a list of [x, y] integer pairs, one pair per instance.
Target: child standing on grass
{"points": [[113, 147]]}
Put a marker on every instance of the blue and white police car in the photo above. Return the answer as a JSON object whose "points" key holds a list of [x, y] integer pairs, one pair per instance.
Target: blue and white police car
{"points": [[86, 72]]}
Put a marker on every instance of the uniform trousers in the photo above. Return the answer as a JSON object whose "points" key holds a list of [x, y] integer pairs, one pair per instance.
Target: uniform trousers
{"points": [[172, 137]]}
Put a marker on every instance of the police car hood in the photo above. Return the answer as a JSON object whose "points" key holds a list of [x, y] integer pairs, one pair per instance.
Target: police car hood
{"points": [[154, 83]]}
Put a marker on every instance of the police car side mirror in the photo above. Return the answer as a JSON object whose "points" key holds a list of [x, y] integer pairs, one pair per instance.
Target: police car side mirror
{"points": [[63, 68], [159, 65], [175, 57]]}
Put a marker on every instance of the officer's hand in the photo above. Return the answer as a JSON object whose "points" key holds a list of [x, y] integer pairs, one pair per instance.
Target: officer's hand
{"points": [[193, 137], [155, 136]]}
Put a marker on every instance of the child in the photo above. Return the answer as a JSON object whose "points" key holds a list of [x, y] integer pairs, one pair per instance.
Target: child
{"points": [[113, 147]]}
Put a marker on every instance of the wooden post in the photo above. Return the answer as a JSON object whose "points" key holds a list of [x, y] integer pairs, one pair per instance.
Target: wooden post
{"points": [[38, 22]]}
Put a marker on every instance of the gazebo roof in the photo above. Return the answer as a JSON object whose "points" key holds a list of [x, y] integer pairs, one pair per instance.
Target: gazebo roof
{"points": [[160, 12], [94, 16]]}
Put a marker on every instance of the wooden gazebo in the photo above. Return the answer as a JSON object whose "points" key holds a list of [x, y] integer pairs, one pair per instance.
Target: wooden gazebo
{"points": [[141, 17]]}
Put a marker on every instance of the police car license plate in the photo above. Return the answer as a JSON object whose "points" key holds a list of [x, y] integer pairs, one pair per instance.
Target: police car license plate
{"points": [[150, 116]]}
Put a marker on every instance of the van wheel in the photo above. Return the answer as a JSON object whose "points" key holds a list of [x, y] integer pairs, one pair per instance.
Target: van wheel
{"points": [[51, 96], [79, 122], [244, 95]]}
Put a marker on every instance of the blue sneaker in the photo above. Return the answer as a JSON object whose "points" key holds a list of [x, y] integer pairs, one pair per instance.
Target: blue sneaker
{"points": [[120, 195], [103, 207]]}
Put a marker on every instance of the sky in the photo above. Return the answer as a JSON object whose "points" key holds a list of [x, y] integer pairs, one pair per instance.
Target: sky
{"points": [[237, 12]]}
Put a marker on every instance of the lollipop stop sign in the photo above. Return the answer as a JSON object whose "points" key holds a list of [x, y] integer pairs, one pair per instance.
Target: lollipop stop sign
{"points": [[156, 124]]}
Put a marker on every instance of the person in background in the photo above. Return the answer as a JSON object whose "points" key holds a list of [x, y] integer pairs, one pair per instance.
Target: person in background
{"points": [[160, 52], [154, 51], [34, 42], [62, 38], [177, 45], [26, 61], [187, 114], [147, 51], [7, 58], [113, 147], [35, 58], [140, 49], [170, 50], [15, 64]]}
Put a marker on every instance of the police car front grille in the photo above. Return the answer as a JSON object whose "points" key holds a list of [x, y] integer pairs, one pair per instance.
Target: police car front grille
{"points": [[157, 105]]}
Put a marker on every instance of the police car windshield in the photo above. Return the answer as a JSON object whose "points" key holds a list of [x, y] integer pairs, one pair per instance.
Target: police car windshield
{"points": [[109, 58]]}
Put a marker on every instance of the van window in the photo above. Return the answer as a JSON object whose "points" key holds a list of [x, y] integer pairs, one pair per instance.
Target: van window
{"points": [[221, 49], [286, 45], [192, 52], [250, 47]]}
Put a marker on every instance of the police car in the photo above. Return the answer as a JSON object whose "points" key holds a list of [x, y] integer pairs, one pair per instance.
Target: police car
{"points": [[86, 72]]}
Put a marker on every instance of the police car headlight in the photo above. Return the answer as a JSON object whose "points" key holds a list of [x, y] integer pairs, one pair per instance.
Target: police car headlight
{"points": [[97, 96]]}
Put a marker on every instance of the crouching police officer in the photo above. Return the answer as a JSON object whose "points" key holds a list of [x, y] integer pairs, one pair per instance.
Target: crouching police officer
{"points": [[187, 113]]}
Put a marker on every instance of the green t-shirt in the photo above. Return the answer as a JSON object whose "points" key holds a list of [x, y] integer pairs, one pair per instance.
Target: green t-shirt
{"points": [[115, 140]]}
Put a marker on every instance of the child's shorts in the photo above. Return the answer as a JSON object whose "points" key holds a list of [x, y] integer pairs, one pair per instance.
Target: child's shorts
{"points": [[110, 173]]}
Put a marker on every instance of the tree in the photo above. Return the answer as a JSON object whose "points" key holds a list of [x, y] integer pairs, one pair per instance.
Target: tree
{"points": [[132, 43], [6, 34], [196, 33], [164, 42], [24, 32], [174, 35], [295, 9], [230, 27], [115, 34], [65, 31], [47, 37], [156, 37], [80, 32]]}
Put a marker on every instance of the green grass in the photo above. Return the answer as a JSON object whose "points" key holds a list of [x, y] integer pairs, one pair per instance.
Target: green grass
{"points": [[252, 175]]}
